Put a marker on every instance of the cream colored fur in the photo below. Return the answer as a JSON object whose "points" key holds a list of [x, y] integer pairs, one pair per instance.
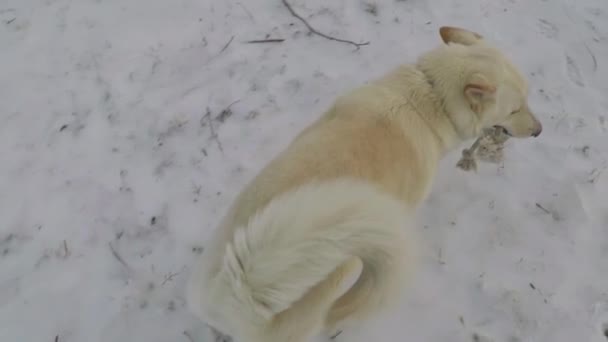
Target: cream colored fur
{"points": [[317, 238]]}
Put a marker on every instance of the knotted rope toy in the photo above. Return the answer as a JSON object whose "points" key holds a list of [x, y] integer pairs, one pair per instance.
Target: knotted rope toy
{"points": [[488, 148]]}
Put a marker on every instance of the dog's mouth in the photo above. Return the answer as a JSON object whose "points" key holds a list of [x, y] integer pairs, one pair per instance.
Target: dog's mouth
{"points": [[503, 130]]}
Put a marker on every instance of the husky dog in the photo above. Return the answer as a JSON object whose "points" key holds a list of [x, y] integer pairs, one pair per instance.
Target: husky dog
{"points": [[317, 239]]}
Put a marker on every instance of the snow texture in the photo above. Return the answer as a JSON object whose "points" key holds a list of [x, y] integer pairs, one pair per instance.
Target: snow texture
{"points": [[127, 127]]}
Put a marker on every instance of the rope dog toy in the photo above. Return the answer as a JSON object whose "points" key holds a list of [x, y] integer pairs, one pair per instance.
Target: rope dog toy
{"points": [[487, 148]]}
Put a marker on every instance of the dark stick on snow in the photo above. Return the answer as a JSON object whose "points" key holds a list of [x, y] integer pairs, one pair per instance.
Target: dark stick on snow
{"points": [[188, 336], [118, 257], [262, 41], [226, 112], [592, 57], [212, 129], [543, 208], [318, 33], [227, 45]]}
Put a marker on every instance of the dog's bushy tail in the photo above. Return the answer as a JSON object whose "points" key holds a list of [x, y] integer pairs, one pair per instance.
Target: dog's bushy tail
{"points": [[300, 238]]}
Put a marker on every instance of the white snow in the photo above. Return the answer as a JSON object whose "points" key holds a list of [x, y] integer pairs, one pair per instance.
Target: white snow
{"points": [[107, 157]]}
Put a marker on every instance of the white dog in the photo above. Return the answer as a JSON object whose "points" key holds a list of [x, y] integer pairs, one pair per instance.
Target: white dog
{"points": [[317, 238]]}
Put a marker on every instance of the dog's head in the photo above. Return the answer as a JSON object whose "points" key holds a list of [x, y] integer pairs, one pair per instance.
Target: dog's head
{"points": [[480, 87]]}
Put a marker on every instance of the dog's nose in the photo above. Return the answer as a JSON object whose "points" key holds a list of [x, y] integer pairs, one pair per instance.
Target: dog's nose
{"points": [[537, 131]]}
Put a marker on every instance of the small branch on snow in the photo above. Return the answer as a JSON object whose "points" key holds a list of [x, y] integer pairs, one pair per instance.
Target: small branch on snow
{"points": [[212, 129], [227, 45], [169, 277], [226, 112], [336, 335], [595, 174], [221, 117], [262, 41], [317, 32], [66, 251], [188, 336], [545, 210], [592, 57], [440, 257], [118, 257], [554, 214]]}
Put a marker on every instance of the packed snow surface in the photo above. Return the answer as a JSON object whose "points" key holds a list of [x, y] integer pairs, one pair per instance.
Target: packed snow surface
{"points": [[127, 127]]}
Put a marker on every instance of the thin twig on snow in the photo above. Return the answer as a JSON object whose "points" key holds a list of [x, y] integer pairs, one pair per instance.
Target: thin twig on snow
{"points": [[317, 32], [66, 251], [214, 135], [226, 112], [261, 41], [188, 336], [545, 210], [118, 257], [227, 45], [592, 57]]}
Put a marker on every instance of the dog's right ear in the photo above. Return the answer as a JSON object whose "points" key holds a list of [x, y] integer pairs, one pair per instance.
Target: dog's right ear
{"points": [[457, 35], [479, 90]]}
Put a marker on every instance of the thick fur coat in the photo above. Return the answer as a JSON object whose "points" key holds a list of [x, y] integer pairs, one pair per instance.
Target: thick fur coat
{"points": [[317, 239]]}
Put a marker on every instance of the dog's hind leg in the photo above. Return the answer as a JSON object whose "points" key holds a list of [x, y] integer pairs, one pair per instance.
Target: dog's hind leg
{"points": [[306, 317], [377, 288]]}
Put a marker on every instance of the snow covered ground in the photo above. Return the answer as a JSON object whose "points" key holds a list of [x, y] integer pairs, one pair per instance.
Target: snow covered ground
{"points": [[127, 127]]}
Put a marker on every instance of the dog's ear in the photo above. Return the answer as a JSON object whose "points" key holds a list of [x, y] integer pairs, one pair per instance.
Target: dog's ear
{"points": [[457, 35], [479, 90]]}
